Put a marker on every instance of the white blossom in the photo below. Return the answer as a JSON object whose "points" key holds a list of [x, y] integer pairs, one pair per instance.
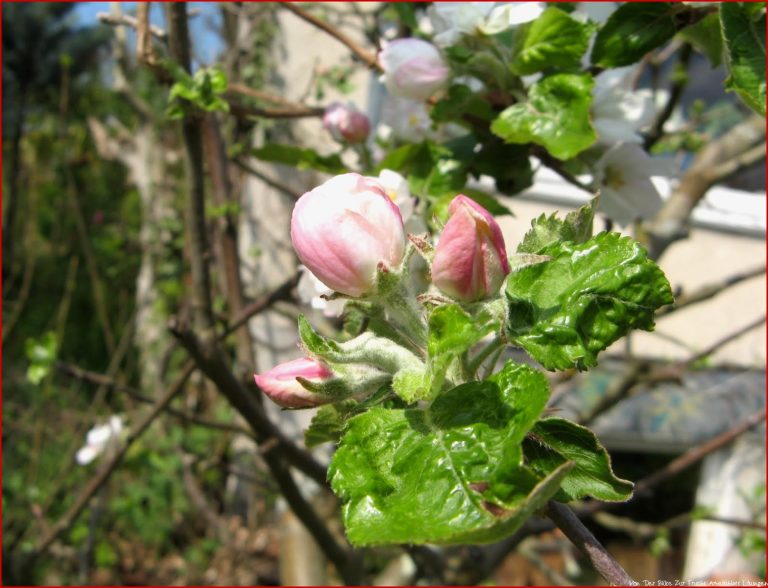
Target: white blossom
{"points": [[405, 120], [618, 111], [627, 193], [98, 439], [451, 20]]}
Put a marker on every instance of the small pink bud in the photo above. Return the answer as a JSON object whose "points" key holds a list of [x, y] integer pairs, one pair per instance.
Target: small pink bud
{"points": [[282, 387], [343, 229], [470, 260], [346, 124], [413, 69]]}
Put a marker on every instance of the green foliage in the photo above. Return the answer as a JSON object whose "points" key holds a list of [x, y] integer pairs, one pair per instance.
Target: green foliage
{"points": [[202, 90], [744, 34], [451, 333], [555, 441], [452, 473], [633, 30], [459, 103], [566, 310], [41, 354], [556, 116], [299, 157], [552, 40], [548, 230]]}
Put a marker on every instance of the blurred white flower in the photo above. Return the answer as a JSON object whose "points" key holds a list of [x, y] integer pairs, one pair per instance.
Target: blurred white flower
{"points": [[413, 68], [597, 12], [451, 20], [618, 111], [510, 14], [311, 291], [405, 120], [626, 190], [98, 439]]}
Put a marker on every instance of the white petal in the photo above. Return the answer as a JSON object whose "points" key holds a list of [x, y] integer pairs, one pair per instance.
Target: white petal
{"points": [[87, 454], [511, 14]]}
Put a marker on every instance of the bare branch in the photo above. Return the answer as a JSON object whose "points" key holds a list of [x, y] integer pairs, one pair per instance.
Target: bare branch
{"points": [[367, 57], [130, 21], [727, 339], [582, 538]]}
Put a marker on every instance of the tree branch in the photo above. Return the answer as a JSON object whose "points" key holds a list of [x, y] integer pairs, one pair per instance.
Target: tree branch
{"points": [[679, 83], [727, 339], [130, 21], [367, 57], [582, 538], [670, 224]]}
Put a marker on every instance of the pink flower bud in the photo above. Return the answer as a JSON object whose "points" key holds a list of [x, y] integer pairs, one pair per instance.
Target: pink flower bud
{"points": [[413, 69], [470, 260], [343, 229], [282, 387], [346, 124]]}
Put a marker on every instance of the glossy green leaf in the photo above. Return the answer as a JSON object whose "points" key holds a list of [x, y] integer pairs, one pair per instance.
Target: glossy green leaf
{"points": [[555, 116], [565, 311], [299, 157], [451, 332], [547, 230], [448, 474], [328, 423], [552, 40], [313, 341], [555, 441], [705, 36], [744, 34], [633, 30]]}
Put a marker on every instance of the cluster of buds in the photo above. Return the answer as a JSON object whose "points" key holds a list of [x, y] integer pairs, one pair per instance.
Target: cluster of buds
{"points": [[349, 233]]}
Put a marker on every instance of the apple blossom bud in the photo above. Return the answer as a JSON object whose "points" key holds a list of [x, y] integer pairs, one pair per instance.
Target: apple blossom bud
{"points": [[470, 260], [346, 124], [282, 387], [344, 229], [413, 69]]}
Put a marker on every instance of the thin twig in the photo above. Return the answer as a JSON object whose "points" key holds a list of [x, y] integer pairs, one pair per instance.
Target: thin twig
{"points": [[727, 339], [709, 291], [617, 391], [556, 166], [367, 57], [102, 380], [130, 21], [108, 468], [696, 454], [676, 90], [582, 538]]}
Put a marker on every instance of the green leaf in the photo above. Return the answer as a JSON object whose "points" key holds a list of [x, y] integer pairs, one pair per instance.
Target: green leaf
{"points": [[509, 165], [449, 474], [705, 36], [459, 102], [555, 441], [744, 34], [547, 230], [313, 341], [552, 40], [451, 332], [328, 423], [41, 354], [555, 116], [300, 158], [633, 30], [566, 310]]}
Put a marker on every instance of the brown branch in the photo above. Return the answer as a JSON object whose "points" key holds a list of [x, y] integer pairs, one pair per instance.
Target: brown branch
{"points": [[741, 162], [284, 104], [582, 538], [21, 302], [557, 166], [194, 211], [282, 292], [367, 57], [676, 90], [709, 291], [671, 223], [617, 391], [214, 366], [108, 467], [696, 454], [282, 188], [241, 110]]}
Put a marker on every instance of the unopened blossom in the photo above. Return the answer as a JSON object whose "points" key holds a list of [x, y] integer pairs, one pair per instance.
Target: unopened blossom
{"points": [[627, 193], [346, 124], [618, 111], [470, 260], [343, 229], [99, 439], [282, 387], [413, 69]]}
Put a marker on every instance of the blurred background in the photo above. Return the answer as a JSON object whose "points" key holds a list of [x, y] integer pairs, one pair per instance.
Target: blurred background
{"points": [[94, 266]]}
